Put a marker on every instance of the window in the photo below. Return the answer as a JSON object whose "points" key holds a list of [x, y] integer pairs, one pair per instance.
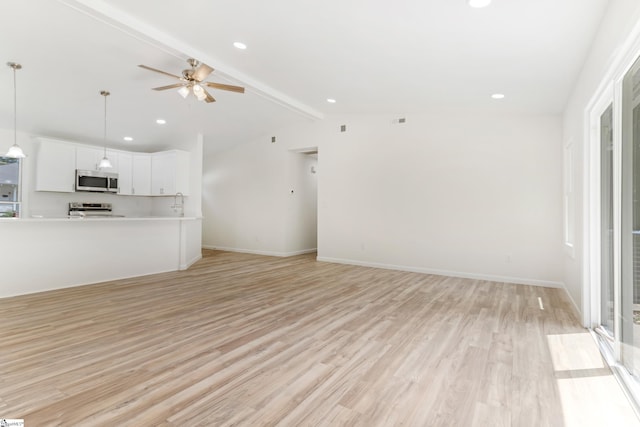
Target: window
{"points": [[10, 195]]}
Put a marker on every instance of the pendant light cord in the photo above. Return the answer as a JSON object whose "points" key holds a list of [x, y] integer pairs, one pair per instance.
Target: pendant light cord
{"points": [[105, 125], [15, 109]]}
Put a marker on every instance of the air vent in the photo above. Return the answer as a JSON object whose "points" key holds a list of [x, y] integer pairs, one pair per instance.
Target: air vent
{"points": [[273, 139], [343, 128]]}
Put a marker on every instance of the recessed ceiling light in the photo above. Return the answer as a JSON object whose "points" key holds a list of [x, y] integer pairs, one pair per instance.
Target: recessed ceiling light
{"points": [[331, 100], [128, 138], [240, 45], [479, 3], [161, 121], [498, 96]]}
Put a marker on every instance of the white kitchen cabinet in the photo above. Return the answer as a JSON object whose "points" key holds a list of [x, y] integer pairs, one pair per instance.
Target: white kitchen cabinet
{"points": [[88, 158], [170, 173], [141, 174], [55, 166], [125, 173]]}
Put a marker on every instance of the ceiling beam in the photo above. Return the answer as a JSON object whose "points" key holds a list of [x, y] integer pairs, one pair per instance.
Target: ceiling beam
{"points": [[128, 24]]}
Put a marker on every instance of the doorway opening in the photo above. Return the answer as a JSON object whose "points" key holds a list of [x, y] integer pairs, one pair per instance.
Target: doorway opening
{"points": [[303, 208]]}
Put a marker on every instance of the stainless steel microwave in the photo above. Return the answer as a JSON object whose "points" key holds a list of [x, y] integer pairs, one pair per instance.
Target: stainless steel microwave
{"points": [[96, 181]]}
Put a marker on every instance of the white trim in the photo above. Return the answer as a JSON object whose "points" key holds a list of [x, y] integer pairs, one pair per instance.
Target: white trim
{"points": [[573, 303], [488, 277], [617, 216], [186, 265], [92, 283], [591, 268], [257, 252], [568, 198]]}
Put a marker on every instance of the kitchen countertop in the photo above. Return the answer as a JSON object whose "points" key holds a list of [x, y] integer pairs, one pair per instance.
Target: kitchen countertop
{"points": [[93, 219]]}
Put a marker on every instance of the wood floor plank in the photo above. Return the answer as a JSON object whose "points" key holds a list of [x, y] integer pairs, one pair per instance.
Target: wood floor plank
{"points": [[249, 340]]}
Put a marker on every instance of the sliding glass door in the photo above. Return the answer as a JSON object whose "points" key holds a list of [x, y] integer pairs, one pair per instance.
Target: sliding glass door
{"points": [[630, 222]]}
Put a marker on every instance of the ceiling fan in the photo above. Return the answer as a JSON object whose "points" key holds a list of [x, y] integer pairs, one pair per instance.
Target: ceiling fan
{"points": [[192, 81]]}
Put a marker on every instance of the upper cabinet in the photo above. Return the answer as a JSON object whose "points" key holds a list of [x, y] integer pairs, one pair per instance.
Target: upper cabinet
{"points": [[56, 164], [88, 158], [170, 173], [139, 174], [125, 173]]}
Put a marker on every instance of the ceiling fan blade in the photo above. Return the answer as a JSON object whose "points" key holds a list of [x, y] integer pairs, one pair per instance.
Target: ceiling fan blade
{"points": [[225, 87], [209, 98], [168, 86], [201, 72], [159, 71]]}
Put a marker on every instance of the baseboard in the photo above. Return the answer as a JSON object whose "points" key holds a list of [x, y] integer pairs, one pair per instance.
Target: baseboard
{"points": [[189, 263], [576, 310], [92, 283], [465, 275], [255, 252]]}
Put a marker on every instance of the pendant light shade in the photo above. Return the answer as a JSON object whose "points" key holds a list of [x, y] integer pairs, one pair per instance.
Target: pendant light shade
{"points": [[15, 151], [105, 163]]}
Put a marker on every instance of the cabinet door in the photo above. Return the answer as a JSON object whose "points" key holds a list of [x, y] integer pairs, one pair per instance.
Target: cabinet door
{"points": [[141, 175], [163, 173], [55, 166], [170, 173], [125, 173], [88, 158]]}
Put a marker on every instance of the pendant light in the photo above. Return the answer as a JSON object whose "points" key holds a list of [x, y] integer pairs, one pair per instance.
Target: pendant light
{"points": [[105, 163], [15, 151]]}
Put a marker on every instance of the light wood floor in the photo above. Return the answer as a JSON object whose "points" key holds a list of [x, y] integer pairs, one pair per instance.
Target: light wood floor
{"points": [[249, 340]]}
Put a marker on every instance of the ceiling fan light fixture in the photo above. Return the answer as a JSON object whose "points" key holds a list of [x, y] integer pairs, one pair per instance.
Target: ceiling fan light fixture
{"points": [[193, 80], [184, 91], [199, 92]]}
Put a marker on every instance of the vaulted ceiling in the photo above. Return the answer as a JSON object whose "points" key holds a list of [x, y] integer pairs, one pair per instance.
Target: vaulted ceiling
{"points": [[371, 56]]}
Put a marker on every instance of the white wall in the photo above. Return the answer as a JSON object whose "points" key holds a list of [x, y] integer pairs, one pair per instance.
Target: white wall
{"points": [[621, 17], [453, 193], [457, 193], [245, 192]]}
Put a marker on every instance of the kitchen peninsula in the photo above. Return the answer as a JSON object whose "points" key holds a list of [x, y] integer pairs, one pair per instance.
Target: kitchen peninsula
{"points": [[152, 230], [52, 253]]}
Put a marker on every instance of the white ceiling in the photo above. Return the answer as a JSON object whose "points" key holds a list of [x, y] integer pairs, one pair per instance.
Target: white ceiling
{"points": [[372, 56]]}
